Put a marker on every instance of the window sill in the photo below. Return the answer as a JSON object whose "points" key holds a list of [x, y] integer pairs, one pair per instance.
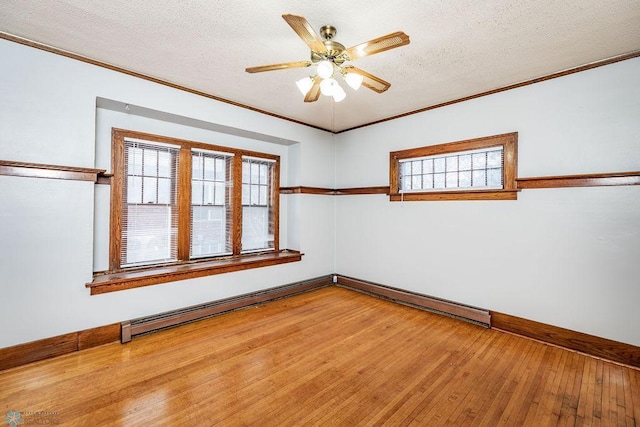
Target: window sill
{"points": [[456, 195], [152, 276]]}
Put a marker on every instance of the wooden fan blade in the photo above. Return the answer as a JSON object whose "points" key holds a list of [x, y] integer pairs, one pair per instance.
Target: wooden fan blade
{"points": [[314, 92], [390, 41], [305, 32], [282, 66], [370, 81]]}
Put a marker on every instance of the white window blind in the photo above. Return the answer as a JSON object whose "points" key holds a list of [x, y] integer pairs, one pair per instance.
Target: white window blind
{"points": [[149, 204], [210, 204], [475, 170], [257, 204]]}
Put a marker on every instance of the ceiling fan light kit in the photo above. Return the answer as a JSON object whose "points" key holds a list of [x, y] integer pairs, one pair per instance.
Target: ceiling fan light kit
{"points": [[330, 56]]}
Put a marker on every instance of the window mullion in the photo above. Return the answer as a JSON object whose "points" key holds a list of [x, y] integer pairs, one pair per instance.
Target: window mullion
{"points": [[184, 204], [273, 193], [236, 205], [117, 189]]}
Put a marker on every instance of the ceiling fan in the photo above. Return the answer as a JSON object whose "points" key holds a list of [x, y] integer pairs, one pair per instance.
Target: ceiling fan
{"points": [[330, 57]]}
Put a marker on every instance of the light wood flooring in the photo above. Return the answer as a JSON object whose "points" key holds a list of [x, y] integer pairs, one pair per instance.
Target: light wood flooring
{"points": [[327, 357]]}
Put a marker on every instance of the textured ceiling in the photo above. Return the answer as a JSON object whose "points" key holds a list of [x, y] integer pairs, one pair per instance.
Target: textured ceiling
{"points": [[458, 47]]}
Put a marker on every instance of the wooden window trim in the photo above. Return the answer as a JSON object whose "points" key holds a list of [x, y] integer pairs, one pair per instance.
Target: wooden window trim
{"points": [[117, 278], [134, 278], [509, 142]]}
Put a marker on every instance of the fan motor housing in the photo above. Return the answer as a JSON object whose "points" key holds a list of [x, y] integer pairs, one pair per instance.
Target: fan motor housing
{"points": [[334, 49]]}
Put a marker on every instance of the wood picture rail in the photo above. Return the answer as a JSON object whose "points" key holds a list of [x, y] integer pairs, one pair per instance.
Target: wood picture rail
{"points": [[588, 180], [585, 180], [39, 170]]}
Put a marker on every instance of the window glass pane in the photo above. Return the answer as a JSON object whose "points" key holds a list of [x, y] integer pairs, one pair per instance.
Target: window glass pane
{"points": [[452, 163], [255, 173], [255, 228], [150, 165], [255, 194], [164, 164], [263, 174], [494, 177], [246, 166], [438, 165], [209, 168], [263, 195], [438, 180], [220, 190], [494, 159], [164, 191], [196, 166], [406, 183], [416, 167], [464, 162], [196, 193], [208, 190], [427, 181], [148, 233], [479, 161], [220, 170], [427, 166], [452, 179], [416, 182], [149, 189], [464, 179], [406, 168], [246, 193], [208, 231], [134, 161], [479, 178], [134, 189]]}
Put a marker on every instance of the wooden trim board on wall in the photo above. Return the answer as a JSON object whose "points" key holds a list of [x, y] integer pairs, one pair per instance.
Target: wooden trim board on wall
{"points": [[450, 308], [586, 180], [610, 179], [589, 344], [39, 170], [21, 354]]}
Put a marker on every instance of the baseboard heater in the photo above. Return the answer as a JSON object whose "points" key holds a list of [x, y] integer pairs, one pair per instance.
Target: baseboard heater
{"points": [[449, 308], [145, 325]]}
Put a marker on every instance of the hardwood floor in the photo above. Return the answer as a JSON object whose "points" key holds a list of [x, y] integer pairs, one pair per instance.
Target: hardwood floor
{"points": [[328, 357]]}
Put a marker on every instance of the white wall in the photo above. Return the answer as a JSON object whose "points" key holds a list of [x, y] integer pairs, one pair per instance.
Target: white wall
{"points": [[566, 257], [48, 115]]}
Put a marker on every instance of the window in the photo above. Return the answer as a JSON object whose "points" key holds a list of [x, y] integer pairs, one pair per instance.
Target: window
{"points": [[178, 202], [211, 213], [476, 169], [257, 204], [149, 204]]}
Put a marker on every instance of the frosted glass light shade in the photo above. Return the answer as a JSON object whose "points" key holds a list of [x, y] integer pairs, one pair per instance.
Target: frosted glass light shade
{"points": [[328, 87], [339, 94], [353, 80], [325, 69], [305, 85]]}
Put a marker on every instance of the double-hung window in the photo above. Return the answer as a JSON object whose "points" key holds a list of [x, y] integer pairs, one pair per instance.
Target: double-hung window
{"points": [[257, 204], [211, 213], [176, 202], [149, 214], [476, 169]]}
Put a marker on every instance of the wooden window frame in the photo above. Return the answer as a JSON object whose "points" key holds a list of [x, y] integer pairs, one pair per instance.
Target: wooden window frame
{"points": [[118, 278], [509, 144]]}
